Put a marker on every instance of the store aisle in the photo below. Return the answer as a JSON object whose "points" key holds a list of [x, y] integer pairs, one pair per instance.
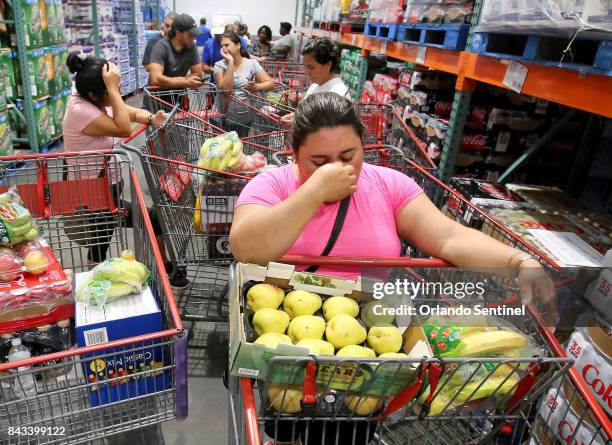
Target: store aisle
{"points": [[208, 400]]}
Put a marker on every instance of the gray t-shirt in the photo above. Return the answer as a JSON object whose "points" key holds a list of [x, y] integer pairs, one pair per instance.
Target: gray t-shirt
{"points": [[176, 64], [146, 58], [249, 69]]}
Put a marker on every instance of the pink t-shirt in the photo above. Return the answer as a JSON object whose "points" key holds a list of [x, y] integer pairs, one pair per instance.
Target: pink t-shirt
{"points": [[79, 114], [369, 229]]}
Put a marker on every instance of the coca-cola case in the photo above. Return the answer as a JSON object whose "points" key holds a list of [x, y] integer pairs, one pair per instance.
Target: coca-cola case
{"points": [[591, 348]]}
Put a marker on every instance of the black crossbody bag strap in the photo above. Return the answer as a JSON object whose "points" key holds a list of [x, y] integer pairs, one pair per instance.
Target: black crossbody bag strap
{"points": [[335, 233]]}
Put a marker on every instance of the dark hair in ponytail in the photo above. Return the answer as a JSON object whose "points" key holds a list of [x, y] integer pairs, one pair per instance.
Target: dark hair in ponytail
{"points": [[236, 39], [324, 50], [88, 79], [323, 110]]}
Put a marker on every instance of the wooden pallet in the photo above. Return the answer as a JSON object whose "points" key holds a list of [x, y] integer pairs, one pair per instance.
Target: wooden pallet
{"points": [[588, 55], [386, 31], [446, 36]]}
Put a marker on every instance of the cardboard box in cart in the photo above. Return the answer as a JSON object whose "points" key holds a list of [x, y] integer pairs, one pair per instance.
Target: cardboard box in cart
{"points": [[127, 317], [251, 360]]}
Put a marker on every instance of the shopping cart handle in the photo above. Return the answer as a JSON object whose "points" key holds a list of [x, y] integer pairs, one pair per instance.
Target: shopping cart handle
{"points": [[136, 132], [298, 260]]}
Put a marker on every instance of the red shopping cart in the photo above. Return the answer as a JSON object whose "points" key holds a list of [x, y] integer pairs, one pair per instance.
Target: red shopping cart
{"points": [[474, 426], [275, 67], [195, 208], [452, 418], [76, 212], [249, 114], [384, 125]]}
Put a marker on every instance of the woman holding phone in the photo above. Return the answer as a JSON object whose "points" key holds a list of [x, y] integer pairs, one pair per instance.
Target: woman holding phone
{"points": [[236, 74]]}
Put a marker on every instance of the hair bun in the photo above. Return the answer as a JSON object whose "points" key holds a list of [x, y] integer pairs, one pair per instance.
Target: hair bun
{"points": [[74, 63]]}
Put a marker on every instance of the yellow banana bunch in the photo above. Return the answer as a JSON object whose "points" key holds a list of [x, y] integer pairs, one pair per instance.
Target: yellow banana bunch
{"points": [[221, 153]]}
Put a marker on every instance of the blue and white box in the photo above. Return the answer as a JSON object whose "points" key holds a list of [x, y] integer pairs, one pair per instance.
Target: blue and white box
{"points": [[136, 370]]}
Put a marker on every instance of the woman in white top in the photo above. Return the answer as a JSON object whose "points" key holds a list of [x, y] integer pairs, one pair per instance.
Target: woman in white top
{"points": [[322, 63]]}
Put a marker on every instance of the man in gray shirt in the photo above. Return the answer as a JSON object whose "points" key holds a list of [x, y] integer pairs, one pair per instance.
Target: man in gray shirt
{"points": [[175, 63], [166, 27]]}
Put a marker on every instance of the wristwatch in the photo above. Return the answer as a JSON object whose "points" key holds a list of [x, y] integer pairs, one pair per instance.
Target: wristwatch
{"points": [[150, 119]]}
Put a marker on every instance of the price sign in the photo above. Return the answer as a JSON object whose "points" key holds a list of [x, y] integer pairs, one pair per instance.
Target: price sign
{"points": [[421, 53], [515, 76], [383, 47]]}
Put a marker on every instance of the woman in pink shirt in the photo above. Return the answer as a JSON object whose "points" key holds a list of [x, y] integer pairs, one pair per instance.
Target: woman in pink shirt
{"points": [[96, 118], [292, 209]]}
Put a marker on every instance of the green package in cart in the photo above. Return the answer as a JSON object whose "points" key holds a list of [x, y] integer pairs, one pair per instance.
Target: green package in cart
{"points": [[6, 139], [35, 23]]}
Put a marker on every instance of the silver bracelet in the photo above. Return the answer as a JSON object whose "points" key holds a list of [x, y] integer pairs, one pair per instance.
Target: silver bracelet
{"points": [[517, 268]]}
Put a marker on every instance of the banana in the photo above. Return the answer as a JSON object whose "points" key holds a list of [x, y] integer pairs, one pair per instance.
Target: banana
{"points": [[226, 146], [237, 149], [226, 160], [32, 234], [478, 344], [234, 161], [21, 230], [492, 386]]}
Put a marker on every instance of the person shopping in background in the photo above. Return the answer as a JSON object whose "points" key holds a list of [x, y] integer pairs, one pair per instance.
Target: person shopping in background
{"points": [[166, 27], [322, 63], [236, 74], [263, 45], [96, 118], [283, 47], [212, 50], [243, 31], [204, 37], [175, 63]]}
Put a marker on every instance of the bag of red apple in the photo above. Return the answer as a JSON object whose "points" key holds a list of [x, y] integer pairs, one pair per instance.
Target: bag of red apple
{"points": [[29, 257]]}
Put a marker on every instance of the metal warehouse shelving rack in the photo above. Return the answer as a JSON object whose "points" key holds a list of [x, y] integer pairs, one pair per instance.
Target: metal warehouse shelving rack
{"points": [[587, 92], [27, 114]]}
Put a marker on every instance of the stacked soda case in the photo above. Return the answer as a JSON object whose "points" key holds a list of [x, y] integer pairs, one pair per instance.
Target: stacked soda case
{"points": [[548, 17], [387, 11], [6, 136], [442, 12], [381, 90], [426, 98], [564, 413], [353, 70]]}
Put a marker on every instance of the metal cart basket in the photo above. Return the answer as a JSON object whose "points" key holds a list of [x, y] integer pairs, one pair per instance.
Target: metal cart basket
{"points": [[78, 208]]}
